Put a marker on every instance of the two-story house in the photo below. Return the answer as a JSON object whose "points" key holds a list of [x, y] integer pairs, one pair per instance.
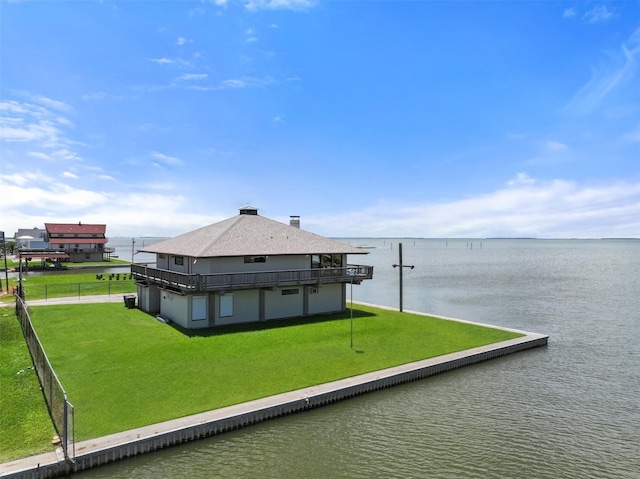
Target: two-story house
{"points": [[246, 268], [80, 242]]}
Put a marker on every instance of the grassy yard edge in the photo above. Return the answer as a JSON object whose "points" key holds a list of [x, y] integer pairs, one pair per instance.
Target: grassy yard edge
{"points": [[150, 322]]}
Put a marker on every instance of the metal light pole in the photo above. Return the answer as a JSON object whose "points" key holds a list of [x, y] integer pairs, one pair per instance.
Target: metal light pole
{"points": [[351, 272], [401, 266], [20, 290], [133, 242]]}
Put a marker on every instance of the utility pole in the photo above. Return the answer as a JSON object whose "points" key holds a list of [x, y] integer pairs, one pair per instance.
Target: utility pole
{"points": [[351, 272], [400, 265], [6, 270]]}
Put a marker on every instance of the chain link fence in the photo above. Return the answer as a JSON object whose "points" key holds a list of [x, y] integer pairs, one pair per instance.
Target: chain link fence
{"points": [[53, 290], [60, 409]]}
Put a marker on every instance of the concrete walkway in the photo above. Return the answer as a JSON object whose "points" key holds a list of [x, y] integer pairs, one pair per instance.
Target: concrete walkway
{"points": [[117, 446], [103, 298]]}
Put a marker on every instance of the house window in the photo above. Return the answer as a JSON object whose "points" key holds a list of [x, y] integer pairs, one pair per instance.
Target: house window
{"points": [[331, 260], [326, 261], [286, 292], [179, 260], [226, 305], [162, 256], [255, 259], [199, 308]]}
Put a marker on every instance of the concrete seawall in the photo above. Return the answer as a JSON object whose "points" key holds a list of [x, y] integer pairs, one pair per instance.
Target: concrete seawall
{"points": [[118, 446]]}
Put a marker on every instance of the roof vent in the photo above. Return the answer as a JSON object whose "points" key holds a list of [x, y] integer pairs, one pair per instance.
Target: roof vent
{"points": [[248, 210], [294, 221]]}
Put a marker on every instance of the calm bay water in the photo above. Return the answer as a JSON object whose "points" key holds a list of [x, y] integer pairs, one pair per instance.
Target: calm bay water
{"points": [[570, 410]]}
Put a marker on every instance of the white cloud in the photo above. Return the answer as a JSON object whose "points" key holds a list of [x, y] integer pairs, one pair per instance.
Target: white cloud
{"points": [[555, 146], [68, 174], [525, 207], [12, 130], [192, 76], [569, 13], [50, 103], [161, 61], [165, 160], [521, 179], [12, 106], [106, 177], [598, 14], [42, 131], [551, 209], [254, 5], [609, 78], [64, 121], [233, 83], [35, 198], [40, 155], [183, 41], [66, 155]]}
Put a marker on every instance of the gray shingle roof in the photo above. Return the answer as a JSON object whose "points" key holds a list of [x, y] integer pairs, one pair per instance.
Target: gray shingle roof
{"points": [[245, 235]]}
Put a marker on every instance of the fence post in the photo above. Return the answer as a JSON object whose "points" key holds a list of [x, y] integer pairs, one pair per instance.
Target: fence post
{"points": [[65, 429]]}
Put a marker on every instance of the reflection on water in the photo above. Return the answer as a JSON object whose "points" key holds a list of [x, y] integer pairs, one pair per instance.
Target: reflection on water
{"points": [[568, 411]]}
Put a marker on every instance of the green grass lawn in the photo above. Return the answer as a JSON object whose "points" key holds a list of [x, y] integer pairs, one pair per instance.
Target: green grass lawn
{"points": [[122, 368], [25, 425], [60, 285], [14, 264]]}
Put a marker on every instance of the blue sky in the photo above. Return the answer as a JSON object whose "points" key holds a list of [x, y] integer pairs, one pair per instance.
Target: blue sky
{"points": [[366, 118]]}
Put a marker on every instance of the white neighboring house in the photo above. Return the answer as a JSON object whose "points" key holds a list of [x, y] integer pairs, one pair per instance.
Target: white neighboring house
{"points": [[31, 238], [246, 268]]}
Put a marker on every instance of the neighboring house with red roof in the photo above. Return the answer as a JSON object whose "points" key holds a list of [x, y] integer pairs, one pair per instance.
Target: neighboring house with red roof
{"points": [[81, 242], [246, 268]]}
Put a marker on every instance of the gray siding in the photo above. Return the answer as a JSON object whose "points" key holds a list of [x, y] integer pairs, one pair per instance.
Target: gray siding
{"points": [[279, 305], [149, 299], [327, 299], [236, 264], [246, 308], [176, 308]]}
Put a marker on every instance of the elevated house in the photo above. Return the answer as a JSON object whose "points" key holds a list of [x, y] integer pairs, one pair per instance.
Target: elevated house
{"points": [[79, 242], [246, 268]]}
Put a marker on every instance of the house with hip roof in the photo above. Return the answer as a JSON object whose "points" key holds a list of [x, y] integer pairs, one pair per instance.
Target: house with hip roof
{"points": [[80, 242], [246, 268]]}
